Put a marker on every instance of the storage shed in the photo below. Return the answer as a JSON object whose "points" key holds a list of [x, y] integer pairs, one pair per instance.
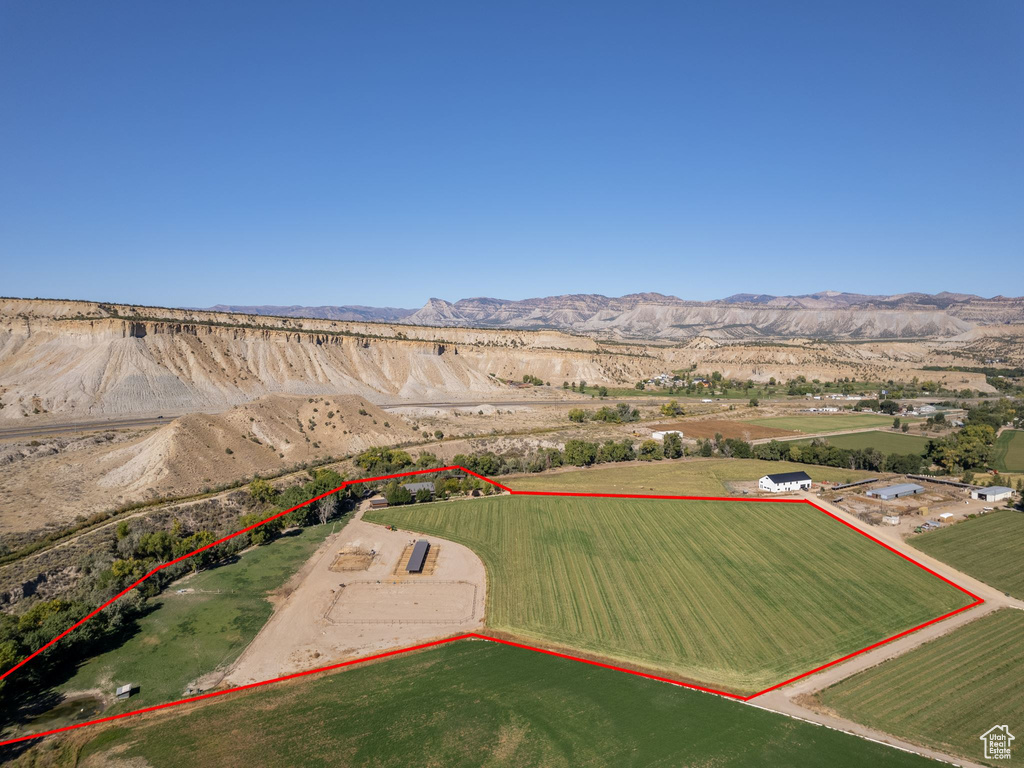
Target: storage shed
{"points": [[896, 491], [992, 493], [124, 691], [418, 556]]}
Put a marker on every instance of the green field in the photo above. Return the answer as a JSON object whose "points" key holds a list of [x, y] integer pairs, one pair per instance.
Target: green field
{"points": [[738, 595], [474, 703], [989, 548], [698, 477], [884, 442], [188, 635], [946, 693], [1008, 452], [827, 422]]}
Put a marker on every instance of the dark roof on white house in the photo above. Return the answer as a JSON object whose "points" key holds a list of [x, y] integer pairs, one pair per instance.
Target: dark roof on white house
{"points": [[788, 477]]}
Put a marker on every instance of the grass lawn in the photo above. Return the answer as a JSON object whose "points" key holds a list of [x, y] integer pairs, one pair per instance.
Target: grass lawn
{"points": [[188, 635], [737, 595], [474, 703], [698, 477], [1008, 453], [946, 693], [826, 422], [885, 442], [989, 548]]}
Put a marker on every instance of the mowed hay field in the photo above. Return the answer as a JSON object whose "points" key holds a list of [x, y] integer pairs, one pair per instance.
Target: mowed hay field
{"points": [[737, 595], [811, 423], [885, 442], [473, 703], [946, 693], [1008, 452], [989, 548], [697, 477]]}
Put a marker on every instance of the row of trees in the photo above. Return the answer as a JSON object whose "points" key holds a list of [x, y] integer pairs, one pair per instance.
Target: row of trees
{"points": [[135, 548], [820, 452]]}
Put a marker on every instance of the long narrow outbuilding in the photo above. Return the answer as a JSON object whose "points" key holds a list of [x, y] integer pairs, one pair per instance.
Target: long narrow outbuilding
{"points": [[418, 556]]}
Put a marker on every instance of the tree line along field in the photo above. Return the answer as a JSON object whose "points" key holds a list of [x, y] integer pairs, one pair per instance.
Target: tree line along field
{"points": [[188, 635], [884, 442], [736, 595], [472, 703], [946, 693], [828, 422], [1008, 452], [697, 477], [989, 548]]}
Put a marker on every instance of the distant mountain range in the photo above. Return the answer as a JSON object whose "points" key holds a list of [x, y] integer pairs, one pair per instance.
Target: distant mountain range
{"points": [[653, 316]]}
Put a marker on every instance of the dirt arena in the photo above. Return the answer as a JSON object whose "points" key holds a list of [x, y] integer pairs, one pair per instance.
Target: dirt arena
{"points": [[354, 597]]}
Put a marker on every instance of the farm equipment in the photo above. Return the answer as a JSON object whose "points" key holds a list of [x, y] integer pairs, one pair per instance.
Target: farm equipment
{"points": [[391, 527]]}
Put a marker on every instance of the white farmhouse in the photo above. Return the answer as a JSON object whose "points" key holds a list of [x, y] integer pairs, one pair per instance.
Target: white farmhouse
{"points": [[785, 481]]}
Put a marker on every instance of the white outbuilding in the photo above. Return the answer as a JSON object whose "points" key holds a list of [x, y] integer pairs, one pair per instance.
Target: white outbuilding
{"points": [[992, 493], [662, 435], [785, 481]]}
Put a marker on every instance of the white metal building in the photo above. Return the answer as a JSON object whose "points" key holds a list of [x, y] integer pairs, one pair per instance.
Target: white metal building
{"points": [[896, 491], [661, 435], [785, 481], [993, 493]]}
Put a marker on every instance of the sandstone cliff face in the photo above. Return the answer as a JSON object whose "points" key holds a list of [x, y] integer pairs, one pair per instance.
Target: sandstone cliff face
{"points": [[80, 360], [90, 361]]}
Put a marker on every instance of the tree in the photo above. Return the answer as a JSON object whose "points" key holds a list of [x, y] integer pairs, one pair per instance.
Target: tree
{"points": [[640, 385], [672, 408], [650, 450], [438, 434], [257, 536], [577, 415], [754, 402], [262, 491], [424, 494], [583, 385], [889, 406], [602, 391], [327, 508], [672, 446], [620, 451], [580, 453], [396, 494], [383, 459], [565, 385], [896, 423], [905, 427]]}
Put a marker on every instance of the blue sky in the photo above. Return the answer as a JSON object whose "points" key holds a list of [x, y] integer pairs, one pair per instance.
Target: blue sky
{"points": [[192, 153]]}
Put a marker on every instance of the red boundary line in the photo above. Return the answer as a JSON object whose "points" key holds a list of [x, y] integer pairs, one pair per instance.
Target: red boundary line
{"points": [[214, 694]]}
